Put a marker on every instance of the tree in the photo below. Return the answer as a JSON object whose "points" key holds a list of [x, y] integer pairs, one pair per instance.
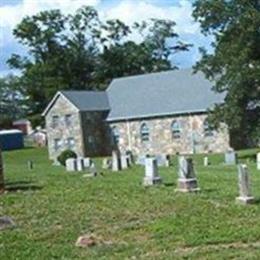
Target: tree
{"points": [[234, 64], [2, 185], [81, 52], [12, 100]]}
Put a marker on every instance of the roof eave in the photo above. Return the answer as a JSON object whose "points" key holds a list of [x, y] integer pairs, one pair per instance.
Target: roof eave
{"points": [[114, 119]]}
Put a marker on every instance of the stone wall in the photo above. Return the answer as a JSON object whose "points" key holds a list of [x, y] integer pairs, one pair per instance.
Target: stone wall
{"points": [[192, 136], [62, 131]]}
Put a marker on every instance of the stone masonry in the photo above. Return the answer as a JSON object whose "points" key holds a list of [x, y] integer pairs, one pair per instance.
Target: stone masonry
{"points": [[192, 136], [87, 132], [61, 131]]}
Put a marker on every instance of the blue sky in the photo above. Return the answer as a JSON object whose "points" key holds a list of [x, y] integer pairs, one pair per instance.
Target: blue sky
{"points": [[12, 11]]}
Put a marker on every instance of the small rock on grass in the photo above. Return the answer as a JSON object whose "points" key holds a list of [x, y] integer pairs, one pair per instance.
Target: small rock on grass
{"points": [[6, 222], [86, 241]]}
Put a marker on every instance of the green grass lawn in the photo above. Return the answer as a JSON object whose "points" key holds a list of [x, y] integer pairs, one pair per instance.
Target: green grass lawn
{"points": [[52, 208]]}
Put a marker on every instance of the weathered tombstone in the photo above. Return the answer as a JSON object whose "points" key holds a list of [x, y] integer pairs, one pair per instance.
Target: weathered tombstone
{"points": [[80, 164], [244, 185], [116, 165], [130, 157], [6, 222], [163, 160], [258, 161], [230, 157], [93, 169], [187, 181], [30, 165], [86, 162], [71, 165], [125, 162], [151, 172], [206, 161]]}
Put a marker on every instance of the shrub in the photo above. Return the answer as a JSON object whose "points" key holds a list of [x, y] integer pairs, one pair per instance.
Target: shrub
{"points": [[66, 155]]}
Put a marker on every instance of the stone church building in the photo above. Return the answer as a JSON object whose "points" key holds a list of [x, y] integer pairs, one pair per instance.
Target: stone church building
{"points": [[152, 114]]}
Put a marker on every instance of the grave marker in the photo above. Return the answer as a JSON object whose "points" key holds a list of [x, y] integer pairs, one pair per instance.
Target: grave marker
{"points": [[244, 185], [125, 161], [230, 157], [151, 172], [187, 181], [71, 165], [258, 161], [116, 165], [206, 161], [80, 164]]}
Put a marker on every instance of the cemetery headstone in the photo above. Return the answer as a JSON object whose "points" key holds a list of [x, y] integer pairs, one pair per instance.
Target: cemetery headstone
{"points": [[125, 162], [130, 157], [258, 161], [206, 161], [187, 181], [230, 157], [151, 172], [245, 196], [71, 165], [116, 165], [30, 165], [163, 160], [80, 164], [86, 162], [93, 169]]}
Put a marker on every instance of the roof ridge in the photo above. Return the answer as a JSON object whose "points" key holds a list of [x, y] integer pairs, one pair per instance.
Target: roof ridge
{"points": [[152, 73]]}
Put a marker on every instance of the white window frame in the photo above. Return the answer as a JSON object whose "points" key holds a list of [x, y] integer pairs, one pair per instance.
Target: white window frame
{"points": [[144, 132], [176, 129]]}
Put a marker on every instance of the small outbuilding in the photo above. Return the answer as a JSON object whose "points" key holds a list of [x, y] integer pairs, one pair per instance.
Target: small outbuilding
{"points": [[24, 125], [11, 139]]}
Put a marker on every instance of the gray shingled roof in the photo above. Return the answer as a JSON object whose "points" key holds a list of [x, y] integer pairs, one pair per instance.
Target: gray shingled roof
{"points": [[164, 93], [88, 100]]}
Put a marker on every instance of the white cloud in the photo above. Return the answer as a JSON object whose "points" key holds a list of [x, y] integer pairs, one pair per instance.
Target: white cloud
{"points": [[10, 15], [130, 11]]}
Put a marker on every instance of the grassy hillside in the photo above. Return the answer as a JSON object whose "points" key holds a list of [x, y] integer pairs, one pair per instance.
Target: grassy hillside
{"points": [[52, 208]]}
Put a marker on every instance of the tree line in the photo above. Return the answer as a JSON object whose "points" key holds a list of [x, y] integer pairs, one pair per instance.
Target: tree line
{"points": [[80, 51]]}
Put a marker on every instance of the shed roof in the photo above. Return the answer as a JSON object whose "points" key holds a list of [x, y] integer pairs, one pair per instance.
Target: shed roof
{"points": [[10, 132], [83, 100], [158, 94], [88, 100]]}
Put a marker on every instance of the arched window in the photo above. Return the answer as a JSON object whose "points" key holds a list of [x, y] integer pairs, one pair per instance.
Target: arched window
{"points": [[176, 129], [116, 135], [208, 131], [144, 132]]}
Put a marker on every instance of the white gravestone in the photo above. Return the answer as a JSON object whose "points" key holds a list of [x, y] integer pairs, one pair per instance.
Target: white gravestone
{"points": [[151, 172], [206, 161], [124, 161], [258, 161], [116, 166], [163, 160], [80, 164], [86, 162], [187, 181], [230, 157], [245, 196], [71, 165]]}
